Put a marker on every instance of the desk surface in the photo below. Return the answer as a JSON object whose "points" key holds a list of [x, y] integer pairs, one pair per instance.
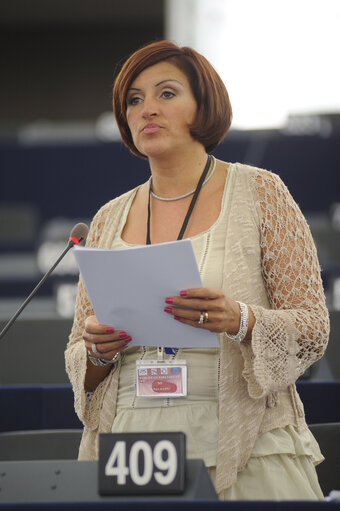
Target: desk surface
{"points": [[72, 485], [56, 481]]}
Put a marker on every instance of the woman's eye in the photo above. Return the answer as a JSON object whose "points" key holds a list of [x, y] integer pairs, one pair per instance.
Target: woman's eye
{"points": [[167, 94], [134, 100]]}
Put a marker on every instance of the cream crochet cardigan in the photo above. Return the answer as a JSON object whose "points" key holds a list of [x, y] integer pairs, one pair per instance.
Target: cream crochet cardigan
{"points": [[271, 264]]}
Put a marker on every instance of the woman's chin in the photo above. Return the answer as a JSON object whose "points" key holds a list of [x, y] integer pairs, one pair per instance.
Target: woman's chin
{"points": [[154, 151]]}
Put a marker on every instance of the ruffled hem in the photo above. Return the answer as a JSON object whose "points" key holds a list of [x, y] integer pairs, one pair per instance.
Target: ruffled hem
{"points": [[274, 477], [288, 440], [281, 467]]}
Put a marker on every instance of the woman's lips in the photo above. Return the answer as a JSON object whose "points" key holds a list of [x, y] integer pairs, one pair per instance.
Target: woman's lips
{"points": [[151, 128]]}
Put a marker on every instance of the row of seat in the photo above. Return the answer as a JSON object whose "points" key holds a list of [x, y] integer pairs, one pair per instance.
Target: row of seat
{"points": [[39, 422], [38, 345], [64, 444], [46, 407]]}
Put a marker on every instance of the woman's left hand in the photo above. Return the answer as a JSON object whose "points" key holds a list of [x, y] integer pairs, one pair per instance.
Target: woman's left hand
{"points": [[219, 313]]}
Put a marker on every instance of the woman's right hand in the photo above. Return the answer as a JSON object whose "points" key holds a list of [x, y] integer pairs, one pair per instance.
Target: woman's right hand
{"points": [[103, 341]]}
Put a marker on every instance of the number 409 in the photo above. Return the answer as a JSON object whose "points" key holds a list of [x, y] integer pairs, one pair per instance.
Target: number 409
{"points": [[116, 464]]}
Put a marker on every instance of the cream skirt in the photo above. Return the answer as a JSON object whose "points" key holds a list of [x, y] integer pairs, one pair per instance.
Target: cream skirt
{"points": [[281, 467]]}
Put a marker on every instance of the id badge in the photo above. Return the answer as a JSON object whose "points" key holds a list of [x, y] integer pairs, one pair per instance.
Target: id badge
{"points": [[156, 378]]}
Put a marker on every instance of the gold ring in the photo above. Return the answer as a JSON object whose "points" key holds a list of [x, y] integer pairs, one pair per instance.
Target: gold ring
{"points": [[205, 317]]}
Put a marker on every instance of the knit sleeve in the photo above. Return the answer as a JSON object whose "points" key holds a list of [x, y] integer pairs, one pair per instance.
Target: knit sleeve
{"points": [[293, 333], [87, 410]]}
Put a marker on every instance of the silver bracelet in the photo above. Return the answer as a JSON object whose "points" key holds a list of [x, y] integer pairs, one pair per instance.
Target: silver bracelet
{"points": [[244, 317], [101, 361]]}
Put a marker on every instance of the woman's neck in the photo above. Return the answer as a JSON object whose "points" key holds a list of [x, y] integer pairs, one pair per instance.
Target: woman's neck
{"points": [[178, 175]]}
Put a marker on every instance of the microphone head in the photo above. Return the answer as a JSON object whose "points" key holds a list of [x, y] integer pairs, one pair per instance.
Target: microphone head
{"points": [[78, 233]]}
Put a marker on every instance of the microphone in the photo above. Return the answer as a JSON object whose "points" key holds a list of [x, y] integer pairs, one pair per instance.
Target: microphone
{"points": [[78, 234]]}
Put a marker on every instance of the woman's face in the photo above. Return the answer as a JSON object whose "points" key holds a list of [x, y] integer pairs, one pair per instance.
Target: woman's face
{"points": [[160, 109]]}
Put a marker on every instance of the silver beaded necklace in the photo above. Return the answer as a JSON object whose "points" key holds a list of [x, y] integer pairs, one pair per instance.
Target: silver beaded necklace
{"points": [[186, 194]]}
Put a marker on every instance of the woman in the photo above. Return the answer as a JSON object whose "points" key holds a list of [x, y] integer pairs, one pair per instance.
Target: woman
{"points": [[262, 292]]}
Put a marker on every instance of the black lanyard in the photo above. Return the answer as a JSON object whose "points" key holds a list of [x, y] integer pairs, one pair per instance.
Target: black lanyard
{"points": [[191, 206]]}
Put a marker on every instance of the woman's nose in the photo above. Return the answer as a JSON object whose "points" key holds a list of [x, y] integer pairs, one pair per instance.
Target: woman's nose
{"points": [[150, 107]]}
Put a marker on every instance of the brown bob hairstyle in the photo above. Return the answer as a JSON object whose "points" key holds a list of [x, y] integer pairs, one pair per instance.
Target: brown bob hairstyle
{"points": [[214, 112]]}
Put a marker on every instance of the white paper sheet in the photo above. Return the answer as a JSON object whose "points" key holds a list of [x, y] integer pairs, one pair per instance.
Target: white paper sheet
{"points": [[128, 287]]}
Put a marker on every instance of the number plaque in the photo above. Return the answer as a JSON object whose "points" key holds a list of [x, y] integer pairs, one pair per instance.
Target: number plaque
{"points": [[141, 463]]}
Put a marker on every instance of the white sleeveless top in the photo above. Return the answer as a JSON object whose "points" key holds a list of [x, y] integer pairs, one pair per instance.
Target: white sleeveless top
{"points": [[197, 413]]}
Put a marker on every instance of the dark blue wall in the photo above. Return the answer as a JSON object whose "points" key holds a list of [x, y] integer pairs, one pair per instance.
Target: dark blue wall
{"points": [[75, 180]]}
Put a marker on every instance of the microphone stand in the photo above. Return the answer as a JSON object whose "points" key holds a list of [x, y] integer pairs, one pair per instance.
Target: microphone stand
{"points": [[70, 244]]}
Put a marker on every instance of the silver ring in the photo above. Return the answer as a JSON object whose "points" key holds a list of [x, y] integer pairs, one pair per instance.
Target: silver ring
{"points": [[94, 349], [114, 358], [201, 320]]}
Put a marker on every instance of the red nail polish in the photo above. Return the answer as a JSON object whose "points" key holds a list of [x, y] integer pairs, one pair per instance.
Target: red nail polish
{"points": [[167, 309], [109, 330], [169, 299], [122, 334], [176, 317], [183, 293], [129, 339]]}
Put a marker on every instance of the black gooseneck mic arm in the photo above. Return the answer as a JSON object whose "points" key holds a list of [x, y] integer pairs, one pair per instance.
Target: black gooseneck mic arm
{"points": [[78, 234]]}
